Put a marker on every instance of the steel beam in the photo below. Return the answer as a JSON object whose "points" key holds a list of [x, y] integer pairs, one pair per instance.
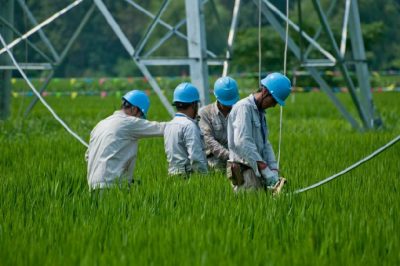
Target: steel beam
{"points": [[361, 66], [32, 45], [41, 25], [41, 33], [319, 30], [231, 37], [197, 48], [163, 23], [300, 15], [29, 66], [62, 57], [297, 28], [164, 38], [177, 61], [344, 28], [7, 12], [313, 71], [361, 110], [167, 61], [131, 51], [150, 29]]}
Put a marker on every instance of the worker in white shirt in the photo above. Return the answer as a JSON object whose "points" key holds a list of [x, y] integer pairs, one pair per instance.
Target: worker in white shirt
{"points": [[113, 145], [252, 163], [214, 119], [183, 141]]}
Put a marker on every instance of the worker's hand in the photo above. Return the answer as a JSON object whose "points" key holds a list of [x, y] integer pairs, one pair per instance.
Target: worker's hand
{"points": [[261, 165], [275, 171], [270, 176]]}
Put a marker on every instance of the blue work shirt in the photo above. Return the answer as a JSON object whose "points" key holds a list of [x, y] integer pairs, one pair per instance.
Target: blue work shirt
{"points": [[184, 146], [248, 136]]}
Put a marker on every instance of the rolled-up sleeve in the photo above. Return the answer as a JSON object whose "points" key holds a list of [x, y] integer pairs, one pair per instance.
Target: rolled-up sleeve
{"points": [[195, 148], [212, 144]]}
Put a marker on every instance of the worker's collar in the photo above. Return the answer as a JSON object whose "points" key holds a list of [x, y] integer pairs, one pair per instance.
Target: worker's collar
{"points": [[179, 114], [254, 102], [215, 106], [120, 112]]}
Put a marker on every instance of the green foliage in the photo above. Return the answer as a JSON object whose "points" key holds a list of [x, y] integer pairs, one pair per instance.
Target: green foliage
{"points": [[98, 52], [48, 217], [247, 54]]}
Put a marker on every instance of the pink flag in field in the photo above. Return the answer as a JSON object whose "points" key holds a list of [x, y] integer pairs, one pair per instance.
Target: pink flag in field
{"points": [[103, 94], [101, 81]]}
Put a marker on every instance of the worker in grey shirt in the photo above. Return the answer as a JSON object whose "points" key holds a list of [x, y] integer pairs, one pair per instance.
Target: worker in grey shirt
{"points": [[113, 145], [213, 122], [252, 161], [183, 141]]}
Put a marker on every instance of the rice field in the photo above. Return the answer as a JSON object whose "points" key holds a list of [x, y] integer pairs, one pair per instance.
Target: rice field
{"points": [[48, 216]]}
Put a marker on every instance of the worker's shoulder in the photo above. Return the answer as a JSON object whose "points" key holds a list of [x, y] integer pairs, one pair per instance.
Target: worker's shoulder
{"points": [[119, 117], [109, 120], [190, 124], [183, 125], [244, 103], [179, 121], [191, 129]]}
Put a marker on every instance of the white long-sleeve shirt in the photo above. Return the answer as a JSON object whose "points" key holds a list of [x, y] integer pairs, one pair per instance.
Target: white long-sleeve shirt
{"points": [[248, 135], [113, 148], [184, 146]]}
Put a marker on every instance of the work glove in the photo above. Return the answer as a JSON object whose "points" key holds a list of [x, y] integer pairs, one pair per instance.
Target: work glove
{"points": [[271, 176]]}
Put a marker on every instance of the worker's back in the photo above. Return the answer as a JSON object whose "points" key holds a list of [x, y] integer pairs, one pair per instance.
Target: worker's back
{"points": [[184, 146]]}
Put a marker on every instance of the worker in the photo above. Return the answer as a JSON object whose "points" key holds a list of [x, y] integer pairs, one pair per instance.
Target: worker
{"points": [[214, 119], [113, 145], [183, 141], [252, 163]]}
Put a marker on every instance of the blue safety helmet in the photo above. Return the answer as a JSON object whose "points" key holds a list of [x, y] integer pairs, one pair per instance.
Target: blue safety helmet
{"points": [[226, 91], [138, 99], [278, 85], [186, 93]]}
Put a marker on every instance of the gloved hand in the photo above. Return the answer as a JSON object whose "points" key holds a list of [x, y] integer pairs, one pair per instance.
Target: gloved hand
{"points": [[271, 176]]}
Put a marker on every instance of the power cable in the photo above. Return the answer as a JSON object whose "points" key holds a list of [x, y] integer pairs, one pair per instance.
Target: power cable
{"points": [[348, 169], [41, 25], [40, 96]]}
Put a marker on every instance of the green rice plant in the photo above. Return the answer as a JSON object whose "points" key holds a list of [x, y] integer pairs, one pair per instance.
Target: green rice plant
{"points": [[48, 216]]}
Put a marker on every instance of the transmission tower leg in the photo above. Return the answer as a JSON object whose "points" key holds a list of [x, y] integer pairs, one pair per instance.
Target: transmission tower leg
{"points": [[197, 48], [343, 68], [362, 72], [7, 12], [62, 57], [312, 70]]}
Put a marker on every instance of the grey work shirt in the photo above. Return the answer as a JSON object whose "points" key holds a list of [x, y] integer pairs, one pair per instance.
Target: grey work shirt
{"points": [[213, 125], [113, 148], [184, 146], [248, 135]]}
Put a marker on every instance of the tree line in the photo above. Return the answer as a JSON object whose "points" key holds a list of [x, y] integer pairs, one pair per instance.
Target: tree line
{"points": [[98, 51]]}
